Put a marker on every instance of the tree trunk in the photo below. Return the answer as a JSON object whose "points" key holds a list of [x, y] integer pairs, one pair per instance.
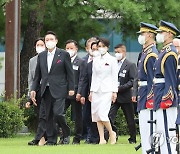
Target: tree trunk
{"points": [[34, 26]]}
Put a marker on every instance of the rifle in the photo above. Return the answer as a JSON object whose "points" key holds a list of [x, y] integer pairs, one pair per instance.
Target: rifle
{"points": [[153, 139], [138, 147], [177, 132]]}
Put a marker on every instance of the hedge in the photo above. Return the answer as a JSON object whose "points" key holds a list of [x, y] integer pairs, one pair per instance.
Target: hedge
{"points": [[11, 118]]}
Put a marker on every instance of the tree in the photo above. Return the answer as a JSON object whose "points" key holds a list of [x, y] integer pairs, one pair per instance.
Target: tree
{"points": [[31, 33], [129, 13]]}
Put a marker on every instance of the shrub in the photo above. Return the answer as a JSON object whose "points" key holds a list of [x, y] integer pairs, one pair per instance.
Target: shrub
{"points": [[31, 118], [11, 118], [121, 124], [70, 122]]}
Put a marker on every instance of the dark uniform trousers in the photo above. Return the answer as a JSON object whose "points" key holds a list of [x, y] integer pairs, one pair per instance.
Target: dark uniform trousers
{"points": [[54, 110]]}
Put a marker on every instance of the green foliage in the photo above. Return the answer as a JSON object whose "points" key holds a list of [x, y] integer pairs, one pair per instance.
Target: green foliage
{"points": [[31, 118], [11, 118], [72, 20], [121, 124], [70, 123], [1, 59], [129, 13], [2, 2]]}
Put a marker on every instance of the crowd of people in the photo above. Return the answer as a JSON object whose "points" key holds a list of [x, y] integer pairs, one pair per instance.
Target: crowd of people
{"points": [[97, 85]]}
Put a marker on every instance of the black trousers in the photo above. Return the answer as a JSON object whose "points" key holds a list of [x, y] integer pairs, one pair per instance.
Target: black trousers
{"points": [[128, 111], [77, 116], [86, 119], [54, 110]]}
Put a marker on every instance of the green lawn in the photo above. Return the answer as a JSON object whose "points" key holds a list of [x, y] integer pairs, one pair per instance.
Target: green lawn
{"points": [[18, 145]]}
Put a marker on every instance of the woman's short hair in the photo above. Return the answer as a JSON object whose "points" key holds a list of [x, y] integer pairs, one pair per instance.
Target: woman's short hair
{"points": [[104, 41], [38, 39]]}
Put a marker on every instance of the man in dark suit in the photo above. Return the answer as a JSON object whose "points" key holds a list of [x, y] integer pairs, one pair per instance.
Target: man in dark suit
{"points": [[54, 72], [92, 131], [126, 75], [78, 67]]}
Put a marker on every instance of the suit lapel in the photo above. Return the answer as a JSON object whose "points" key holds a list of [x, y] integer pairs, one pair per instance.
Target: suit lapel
{"points": [[76, 61], [55, 59], [45, 61]]}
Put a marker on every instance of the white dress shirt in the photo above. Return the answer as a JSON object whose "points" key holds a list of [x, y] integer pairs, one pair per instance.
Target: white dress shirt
{"points": [[120, 63], [72, 58], [50, 56], [90, 58]]}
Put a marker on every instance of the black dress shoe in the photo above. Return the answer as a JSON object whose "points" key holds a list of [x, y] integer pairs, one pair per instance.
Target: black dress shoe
{"points": [[76, 140], [87, 141], [33, 142], [132, 141], [66, 140]]}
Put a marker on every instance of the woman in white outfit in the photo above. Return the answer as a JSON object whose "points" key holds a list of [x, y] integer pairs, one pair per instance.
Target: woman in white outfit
{"points": [[104, 88]]}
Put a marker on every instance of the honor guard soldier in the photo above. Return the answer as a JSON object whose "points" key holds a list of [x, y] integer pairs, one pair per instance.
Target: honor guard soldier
{"points": [[165, 88], [145, 80], [176, 43]]}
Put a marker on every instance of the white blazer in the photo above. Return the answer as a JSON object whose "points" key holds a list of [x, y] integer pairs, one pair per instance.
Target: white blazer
{"points": [[104, 74]]}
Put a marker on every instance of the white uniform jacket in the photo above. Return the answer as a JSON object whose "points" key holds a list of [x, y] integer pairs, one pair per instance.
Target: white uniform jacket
{"points": [[104, 74]]}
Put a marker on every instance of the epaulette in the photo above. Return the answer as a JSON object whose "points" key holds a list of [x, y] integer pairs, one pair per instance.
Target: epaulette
{"points": [[149, 51], [168, 48], [151, 54], [170, 53]]}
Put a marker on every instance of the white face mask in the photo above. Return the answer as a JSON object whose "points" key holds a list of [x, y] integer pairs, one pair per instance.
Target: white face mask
{"points": [[39, 49], [119, 56], [90, 52], [102, 50], [50, 44], [71, 53], [95, 53], [142, 39], [160, 38]]}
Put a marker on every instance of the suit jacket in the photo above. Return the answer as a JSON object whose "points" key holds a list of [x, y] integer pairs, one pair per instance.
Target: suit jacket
{"points": [[135, 84], [60, 77], [78, 66], [87, 80], [104, 74], [87, 77], [126, 76], [32, 68]]}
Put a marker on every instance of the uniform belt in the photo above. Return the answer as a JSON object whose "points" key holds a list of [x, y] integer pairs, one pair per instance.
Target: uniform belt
{"points": [[159, 80], [142, 83], [178, 67]]}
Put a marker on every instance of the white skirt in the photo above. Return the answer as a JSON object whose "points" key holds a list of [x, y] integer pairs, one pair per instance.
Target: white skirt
{"points": [[100, 106]]}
